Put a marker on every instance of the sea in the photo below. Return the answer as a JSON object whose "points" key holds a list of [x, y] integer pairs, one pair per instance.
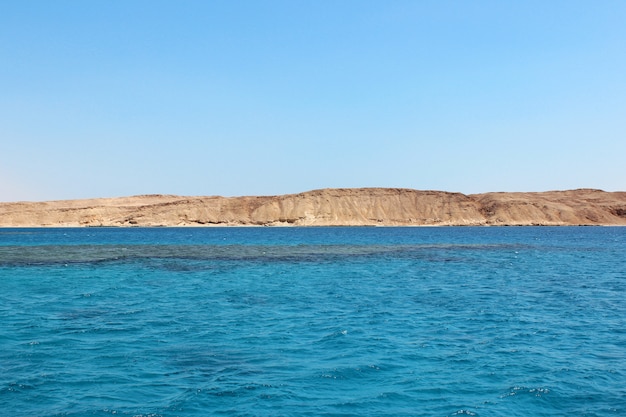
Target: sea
{"points": [[313, 321]]}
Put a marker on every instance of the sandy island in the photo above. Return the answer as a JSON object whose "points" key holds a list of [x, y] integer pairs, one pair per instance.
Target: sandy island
{"points": [[329, 207]]}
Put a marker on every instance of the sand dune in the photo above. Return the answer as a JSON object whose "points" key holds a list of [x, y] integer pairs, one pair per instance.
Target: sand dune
{"points": [[329, 207]]}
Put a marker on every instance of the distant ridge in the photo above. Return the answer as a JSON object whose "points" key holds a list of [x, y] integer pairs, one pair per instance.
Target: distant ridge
{"points": [[329, 207]]}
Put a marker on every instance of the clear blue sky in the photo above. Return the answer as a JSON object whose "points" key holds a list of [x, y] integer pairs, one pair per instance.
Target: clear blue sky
{"points": [[105, 98]]}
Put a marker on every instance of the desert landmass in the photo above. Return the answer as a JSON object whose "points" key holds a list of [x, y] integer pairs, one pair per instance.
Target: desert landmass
{"points": [[329, 207]]}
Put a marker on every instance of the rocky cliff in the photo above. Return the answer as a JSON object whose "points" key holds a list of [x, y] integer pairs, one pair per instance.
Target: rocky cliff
{"points": [[329, 207]]}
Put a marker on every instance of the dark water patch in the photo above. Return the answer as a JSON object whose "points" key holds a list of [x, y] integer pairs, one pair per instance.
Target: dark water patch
{"points": [[14, 256]]}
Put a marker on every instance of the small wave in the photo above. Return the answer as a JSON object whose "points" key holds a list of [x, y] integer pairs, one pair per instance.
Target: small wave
{"points": [[531, 391]]}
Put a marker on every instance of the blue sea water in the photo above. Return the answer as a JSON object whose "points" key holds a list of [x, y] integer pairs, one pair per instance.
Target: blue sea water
{"points": [[525, 321]]}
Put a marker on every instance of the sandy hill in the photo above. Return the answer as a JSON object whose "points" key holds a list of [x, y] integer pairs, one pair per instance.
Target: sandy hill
{"points": [[329, 207]]}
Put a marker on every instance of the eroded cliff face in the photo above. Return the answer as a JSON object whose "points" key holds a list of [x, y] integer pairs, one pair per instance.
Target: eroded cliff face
{"points": [[329, 207], [573, 207]]}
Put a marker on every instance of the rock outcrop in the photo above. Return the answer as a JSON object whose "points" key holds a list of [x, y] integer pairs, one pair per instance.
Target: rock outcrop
{"points": [[329, 207]]}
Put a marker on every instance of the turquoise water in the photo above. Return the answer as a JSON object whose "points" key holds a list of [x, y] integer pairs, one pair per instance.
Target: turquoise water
{"points": [[313, 321]]}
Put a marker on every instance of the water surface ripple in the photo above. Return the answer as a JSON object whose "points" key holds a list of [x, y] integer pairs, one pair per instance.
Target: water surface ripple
{"points": [[313, 321]]}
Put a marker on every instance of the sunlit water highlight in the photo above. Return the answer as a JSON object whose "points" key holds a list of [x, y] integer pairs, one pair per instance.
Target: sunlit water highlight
{"points": [[313, 321]]}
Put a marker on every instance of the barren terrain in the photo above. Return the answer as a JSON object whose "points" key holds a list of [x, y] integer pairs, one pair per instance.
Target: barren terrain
{"points": [[329, 207]]}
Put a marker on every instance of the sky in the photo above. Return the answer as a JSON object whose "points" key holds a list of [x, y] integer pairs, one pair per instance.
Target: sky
{"points": [[108, 98]]}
